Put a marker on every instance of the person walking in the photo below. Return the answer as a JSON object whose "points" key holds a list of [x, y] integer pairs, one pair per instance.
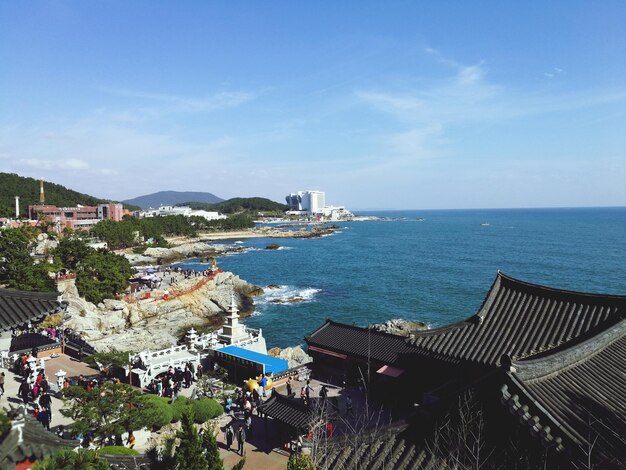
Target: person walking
{"points": [[1, 384], [230, 434], [263, 384], [44, 417], [349, 410], [130, 442], [24, 391], [289, 390], [241, 439], [307, 390], [46, 403]]}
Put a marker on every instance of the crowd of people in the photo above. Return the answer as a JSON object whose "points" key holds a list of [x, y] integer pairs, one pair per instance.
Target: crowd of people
{"points": [[34, 390], [171, 383]]}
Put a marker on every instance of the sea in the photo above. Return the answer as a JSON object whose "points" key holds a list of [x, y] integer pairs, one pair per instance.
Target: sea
{"points": [[435, 266]]}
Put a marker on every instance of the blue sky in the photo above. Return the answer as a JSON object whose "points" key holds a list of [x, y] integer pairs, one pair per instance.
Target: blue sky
{"points": [[380, 104]]}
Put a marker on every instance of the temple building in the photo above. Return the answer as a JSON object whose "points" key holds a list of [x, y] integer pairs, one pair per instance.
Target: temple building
{"points": [[541, 372]]}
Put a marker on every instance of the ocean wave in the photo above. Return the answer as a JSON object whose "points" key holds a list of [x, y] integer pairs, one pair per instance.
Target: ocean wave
{"points": [[281, 248], [287, 295]]}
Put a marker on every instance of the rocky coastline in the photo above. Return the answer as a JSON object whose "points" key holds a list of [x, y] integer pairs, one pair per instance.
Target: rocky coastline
{"points": [[182, 248], [156, 322]]}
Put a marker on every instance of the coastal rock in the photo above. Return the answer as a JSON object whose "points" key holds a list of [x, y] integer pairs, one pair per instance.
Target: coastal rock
{"points": [[273, 286], [295, 356], [400, 327], [111, 304], [296, 299], [273, 246]]}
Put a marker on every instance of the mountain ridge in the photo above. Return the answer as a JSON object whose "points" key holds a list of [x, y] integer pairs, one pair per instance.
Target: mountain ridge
{"points": [[171, 198]]}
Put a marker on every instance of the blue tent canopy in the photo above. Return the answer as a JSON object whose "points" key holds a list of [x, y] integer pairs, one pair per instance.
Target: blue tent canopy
{"points": [[271, 364]]}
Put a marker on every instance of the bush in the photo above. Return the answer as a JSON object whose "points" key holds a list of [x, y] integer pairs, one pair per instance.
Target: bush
{"points": [[117, 450], [158, 412], [178, 407], [206, 409]]}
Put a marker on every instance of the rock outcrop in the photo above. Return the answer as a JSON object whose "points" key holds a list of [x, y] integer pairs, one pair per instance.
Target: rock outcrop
{"points": [[400, 327], [156, 323], [189, 249], [45, 244], [295, 356]]}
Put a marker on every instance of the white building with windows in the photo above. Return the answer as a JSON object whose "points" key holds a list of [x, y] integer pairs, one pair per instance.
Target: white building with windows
{"points": [[182, 210], [313, 203]]}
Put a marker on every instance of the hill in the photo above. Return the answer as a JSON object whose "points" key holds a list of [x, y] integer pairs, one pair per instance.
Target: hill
{"points": [[239, 204], [172, 198], [27, 189]]}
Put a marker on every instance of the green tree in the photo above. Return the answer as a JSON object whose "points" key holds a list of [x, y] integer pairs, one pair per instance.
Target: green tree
{"points": [[5, 424], [101, 275], [189, 453], [71, 251], [107, 410], [113, 359], [239, 465], [17, 268], [209, 443], [66, 459]]}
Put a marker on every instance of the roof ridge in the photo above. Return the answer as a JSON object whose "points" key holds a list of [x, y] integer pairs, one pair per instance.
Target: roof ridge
{"points": [[569, 356], [544, 288]]}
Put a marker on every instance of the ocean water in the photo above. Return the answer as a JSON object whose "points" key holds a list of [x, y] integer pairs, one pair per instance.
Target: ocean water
{"points": [[437, 270]]}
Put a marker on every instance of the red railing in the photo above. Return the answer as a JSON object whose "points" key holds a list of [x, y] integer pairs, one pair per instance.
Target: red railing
{"points": [[172, 293]]}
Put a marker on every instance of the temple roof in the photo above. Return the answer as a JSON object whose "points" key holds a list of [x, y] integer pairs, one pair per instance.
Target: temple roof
{"points": [[288, 410], [393, 446], [19, 307], [29, 439], [579, 393], [520, 319], [359, 342]]}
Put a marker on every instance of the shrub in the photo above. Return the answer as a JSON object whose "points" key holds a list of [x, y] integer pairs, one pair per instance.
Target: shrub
{"points": [[118, 450], [205, 409], [178, 407], [157, 412]]}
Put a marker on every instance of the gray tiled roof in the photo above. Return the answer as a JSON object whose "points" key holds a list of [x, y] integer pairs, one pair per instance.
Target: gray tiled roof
{"points": [[288, 410], [19, 307], [390, 447], [521, 320], [30, 439], [579, 392], [359, 342]]}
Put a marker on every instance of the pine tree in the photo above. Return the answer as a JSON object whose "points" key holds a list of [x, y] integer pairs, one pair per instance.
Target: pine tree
{"points": [[189, 453], [212, 451]]}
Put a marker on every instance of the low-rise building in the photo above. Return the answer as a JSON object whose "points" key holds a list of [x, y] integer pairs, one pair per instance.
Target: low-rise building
{"points": [[77, 217], [186, 211]]}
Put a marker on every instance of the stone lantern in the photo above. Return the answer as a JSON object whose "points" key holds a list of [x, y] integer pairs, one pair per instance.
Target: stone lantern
{"points": [[60, 378]]}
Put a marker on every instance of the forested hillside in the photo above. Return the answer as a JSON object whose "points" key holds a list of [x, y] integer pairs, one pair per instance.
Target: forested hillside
{"points": [[171, 198], [240, 204], [27, 189]]}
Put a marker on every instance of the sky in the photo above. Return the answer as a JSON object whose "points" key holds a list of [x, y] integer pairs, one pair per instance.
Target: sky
{"points": [[382, 105]]}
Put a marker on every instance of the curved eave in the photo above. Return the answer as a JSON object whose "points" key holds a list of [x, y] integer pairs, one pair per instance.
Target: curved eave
{"points": [[568, 355]]}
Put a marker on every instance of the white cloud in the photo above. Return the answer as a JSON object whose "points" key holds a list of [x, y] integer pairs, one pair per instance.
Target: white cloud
{"points": [[66, 164]]}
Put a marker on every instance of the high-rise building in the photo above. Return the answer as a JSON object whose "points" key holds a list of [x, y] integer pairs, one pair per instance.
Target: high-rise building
{"points": [[306, 201]]}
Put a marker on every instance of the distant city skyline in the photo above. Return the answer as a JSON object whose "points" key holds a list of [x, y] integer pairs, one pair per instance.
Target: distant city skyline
{"points": [[381, 105]]}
